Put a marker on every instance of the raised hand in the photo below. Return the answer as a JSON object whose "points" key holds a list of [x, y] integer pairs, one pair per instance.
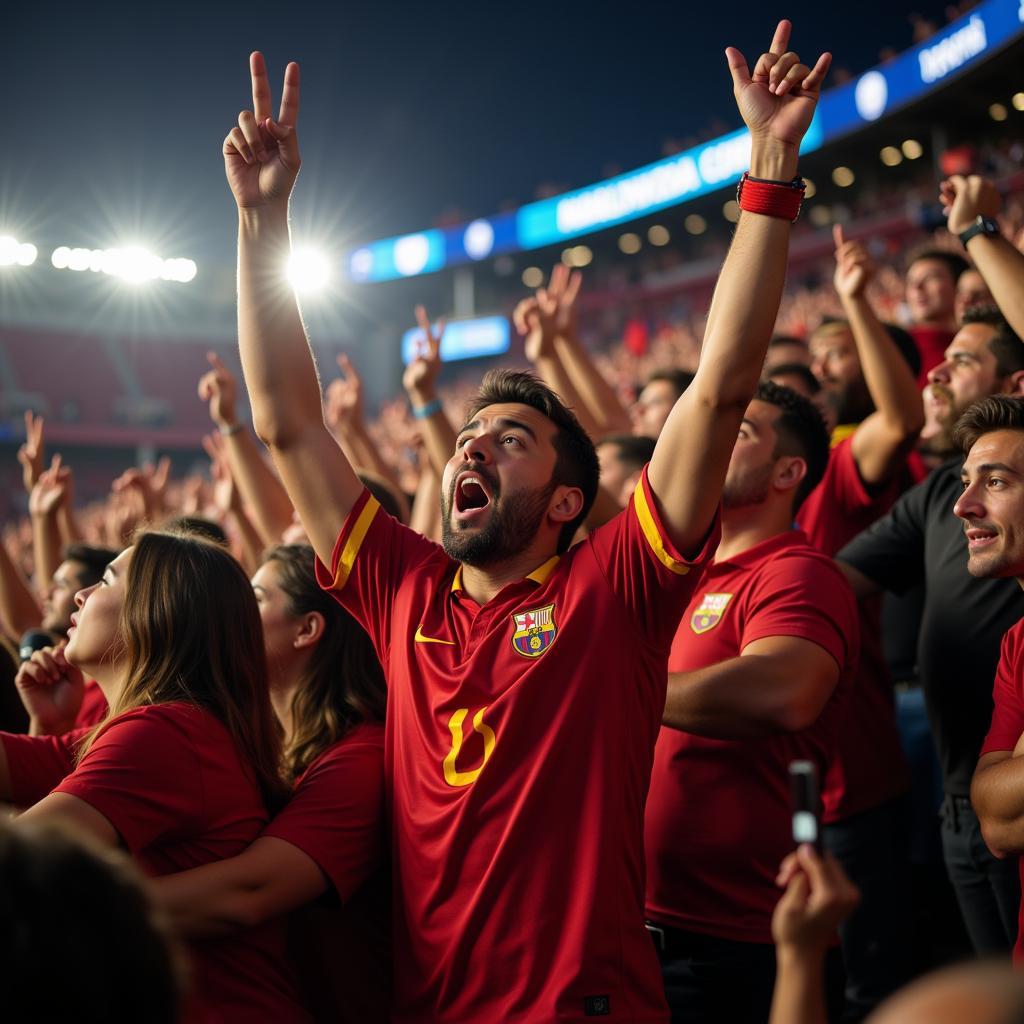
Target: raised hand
{"points": [[777, 101], [261, 155], [51, 489], [217, 386], [30, 454], [818, 898], [854, 267], [51, 690], [344, 399], [964, 199], [420, 376], [225, 493], [550, 314]]}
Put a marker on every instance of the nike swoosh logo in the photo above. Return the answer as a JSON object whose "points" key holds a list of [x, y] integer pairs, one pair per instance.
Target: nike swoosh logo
{"points": [[421, 639]]}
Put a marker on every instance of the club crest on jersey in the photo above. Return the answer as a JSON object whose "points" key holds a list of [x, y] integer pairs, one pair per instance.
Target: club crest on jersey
{"points": [[535, 631], [709, 613]]}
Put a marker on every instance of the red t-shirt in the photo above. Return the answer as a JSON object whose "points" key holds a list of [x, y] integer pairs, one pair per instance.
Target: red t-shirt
{"points": [[518, 751], [336, 817], [869, 767], [36, 764], [1007, 727], [932, 343], [169, 779], [718, 816]]}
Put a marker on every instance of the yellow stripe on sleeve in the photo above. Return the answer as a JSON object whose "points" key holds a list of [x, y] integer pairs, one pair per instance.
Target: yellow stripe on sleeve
{"points": [[347, 558], [652, 533]]}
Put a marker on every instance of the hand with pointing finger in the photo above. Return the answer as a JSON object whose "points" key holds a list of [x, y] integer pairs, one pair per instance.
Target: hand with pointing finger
{"points": [[261, 155], [344, 397], [420, 376], [854, 267], [777, 101], [217, 386]]}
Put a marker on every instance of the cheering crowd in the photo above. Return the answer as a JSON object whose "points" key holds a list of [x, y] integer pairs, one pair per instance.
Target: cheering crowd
{"points": [[524, 753]]}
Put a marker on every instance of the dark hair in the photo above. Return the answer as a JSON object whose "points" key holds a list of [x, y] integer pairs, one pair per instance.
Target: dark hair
{"points": [[199, 526], [953, 262], [94, 562], [904, 341], [633, 450], [68, 901], [344, 683], [679, 379], [777, 340], [191, 630], [576, 463], [800, 430], [997, 412], [384, 494], [795, 370], [1004, 344]]}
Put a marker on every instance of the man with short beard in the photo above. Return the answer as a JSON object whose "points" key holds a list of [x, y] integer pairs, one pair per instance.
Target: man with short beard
{"points": [[760, 669], [526, 676], [963, 619]]}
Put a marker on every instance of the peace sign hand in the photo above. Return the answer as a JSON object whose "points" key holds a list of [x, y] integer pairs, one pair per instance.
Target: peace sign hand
{"points": [[261, 155], [420, 376], [777, 102]]}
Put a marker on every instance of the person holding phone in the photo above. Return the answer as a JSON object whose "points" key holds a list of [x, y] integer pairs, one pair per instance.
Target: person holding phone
{"points": [[760, 669]]}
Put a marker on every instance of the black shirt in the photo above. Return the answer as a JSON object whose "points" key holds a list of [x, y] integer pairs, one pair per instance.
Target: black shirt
{"points": [[963, 620]]}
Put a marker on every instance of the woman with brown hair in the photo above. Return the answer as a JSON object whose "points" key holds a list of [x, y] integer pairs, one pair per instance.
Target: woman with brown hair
{"points": [[328, 844], [185, 767]]}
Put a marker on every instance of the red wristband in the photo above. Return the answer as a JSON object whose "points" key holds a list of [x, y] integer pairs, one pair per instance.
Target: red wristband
{"points": [[771, 198]]}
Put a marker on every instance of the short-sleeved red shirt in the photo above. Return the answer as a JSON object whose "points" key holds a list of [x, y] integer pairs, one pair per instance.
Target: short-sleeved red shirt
{"points": [[169, 779], [36, 764], [932, 343], [869, 767], [94, 706], [1008, 726], [718, 816], [336, 816], [518, 751]]}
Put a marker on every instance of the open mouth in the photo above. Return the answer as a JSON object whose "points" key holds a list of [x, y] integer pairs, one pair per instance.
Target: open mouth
{"points": [[978, 537], [472, 495]]}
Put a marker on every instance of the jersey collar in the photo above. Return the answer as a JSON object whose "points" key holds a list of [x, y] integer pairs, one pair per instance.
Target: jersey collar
{"points": [[539, 575]]}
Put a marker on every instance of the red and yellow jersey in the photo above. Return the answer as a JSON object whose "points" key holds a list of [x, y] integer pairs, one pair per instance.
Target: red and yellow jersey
{"points": [[518, 751]]}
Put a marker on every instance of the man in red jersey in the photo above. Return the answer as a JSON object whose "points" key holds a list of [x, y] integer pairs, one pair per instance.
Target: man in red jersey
{"points": [[931, 281], [760, 669], [991, 434], [526, 679]]}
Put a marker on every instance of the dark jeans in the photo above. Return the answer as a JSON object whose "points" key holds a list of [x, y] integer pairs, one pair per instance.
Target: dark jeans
{"points": [[709, 980], [877, 938], [987, 889]]}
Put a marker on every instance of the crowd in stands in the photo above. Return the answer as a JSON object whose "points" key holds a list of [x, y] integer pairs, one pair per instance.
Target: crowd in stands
{"points": [[492, 705]]}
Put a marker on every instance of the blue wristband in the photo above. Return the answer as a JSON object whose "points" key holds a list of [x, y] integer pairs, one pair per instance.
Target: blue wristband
{"points": [[422, 412]]}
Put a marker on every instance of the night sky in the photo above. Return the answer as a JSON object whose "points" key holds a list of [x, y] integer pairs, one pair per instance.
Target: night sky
{"points": [[115, 114]]}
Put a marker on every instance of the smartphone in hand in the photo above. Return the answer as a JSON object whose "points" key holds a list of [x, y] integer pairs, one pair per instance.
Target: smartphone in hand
{"points": [[806, 801]]}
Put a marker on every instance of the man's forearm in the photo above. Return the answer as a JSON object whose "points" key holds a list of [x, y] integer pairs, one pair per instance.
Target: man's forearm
{"points": [[260, 489], [19, 609], [45, 547], [1002, 267], [595, 393]]}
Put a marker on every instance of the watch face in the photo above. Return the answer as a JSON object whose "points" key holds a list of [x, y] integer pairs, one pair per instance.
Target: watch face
{"points": [[988, 225]]}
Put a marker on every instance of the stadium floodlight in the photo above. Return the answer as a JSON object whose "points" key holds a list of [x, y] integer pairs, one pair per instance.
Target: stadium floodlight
{"points": [[16, 254], [1018, 101], [731, 211], [912, 149], [132, 264], [843, 177], [810, 189], [309, 270], [657, 234], [533, 277], [890, 156], [630, 243], [695, 224], [998, 112]]}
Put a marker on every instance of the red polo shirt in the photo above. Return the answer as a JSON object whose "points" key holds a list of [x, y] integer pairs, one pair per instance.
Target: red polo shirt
{"points": [[869, 767], [518, 751], [36, 764], [718, 816], [1008, 726]]}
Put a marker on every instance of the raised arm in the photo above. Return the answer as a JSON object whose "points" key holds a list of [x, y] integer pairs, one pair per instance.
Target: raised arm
{"points": [[19, 609], [881, 443], [261, 161], [420, 383], [50, 491], [690, 461], [998, 262], [259, 489]]}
